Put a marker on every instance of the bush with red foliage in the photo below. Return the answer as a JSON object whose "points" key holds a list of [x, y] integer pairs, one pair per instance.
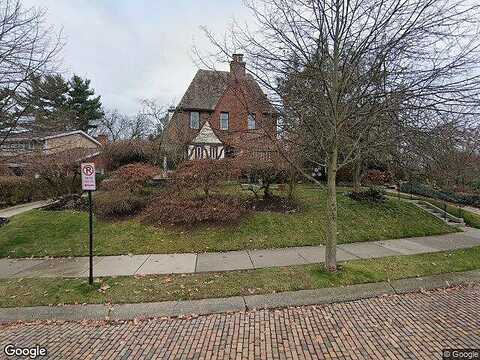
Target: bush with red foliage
{"points": [[203, 174], [172, 209], [132, 177], [118, 204], [377, 177]]}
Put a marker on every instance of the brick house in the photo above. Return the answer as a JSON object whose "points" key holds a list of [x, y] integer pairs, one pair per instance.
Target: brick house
{"points": [[222, 113]]}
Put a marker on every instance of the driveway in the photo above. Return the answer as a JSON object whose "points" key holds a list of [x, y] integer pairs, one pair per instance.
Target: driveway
{"points": [[411, 326], [19, 209]]}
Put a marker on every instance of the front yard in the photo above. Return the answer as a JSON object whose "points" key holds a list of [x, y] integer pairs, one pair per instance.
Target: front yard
{"points": [[48, 233]]}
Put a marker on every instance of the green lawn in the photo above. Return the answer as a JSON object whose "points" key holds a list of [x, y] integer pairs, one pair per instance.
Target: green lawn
{"points": [[42, 233], [30, 292]]}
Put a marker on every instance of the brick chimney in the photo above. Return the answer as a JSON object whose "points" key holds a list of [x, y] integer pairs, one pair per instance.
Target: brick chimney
{"points": [[237, 66], [102, 139]]}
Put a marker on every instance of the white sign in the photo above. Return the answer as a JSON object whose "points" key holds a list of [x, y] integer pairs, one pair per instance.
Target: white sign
{"points": [[88, 177]]}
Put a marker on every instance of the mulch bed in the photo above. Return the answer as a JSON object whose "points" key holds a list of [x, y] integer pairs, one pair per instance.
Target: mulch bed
{"points": [[274, 204]]}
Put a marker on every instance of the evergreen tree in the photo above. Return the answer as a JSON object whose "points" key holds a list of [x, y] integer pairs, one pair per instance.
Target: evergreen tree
{"points": [[47, 101], [87, 109]]}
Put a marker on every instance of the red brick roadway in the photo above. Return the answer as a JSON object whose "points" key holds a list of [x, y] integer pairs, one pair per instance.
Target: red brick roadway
{"points": [[412, 326]]}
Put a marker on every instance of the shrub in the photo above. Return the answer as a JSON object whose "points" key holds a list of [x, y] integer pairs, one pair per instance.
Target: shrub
{"points": [[120, 153], [476, 185], [377, 177], [203, 174], [176, 210], [59, 173], [424, 190], [132, 177], [372, 195], [264, 168], [5, 170], [118, 204], [16, 189]]}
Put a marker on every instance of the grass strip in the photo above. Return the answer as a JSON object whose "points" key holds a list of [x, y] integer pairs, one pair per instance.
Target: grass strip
{"points": [[135, 289]]}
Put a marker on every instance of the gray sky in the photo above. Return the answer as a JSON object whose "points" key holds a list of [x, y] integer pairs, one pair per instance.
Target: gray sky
{"points": [[132, 49]]}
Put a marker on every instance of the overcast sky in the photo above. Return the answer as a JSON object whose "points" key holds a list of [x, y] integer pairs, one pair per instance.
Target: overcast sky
{"points": [[133, 49]]}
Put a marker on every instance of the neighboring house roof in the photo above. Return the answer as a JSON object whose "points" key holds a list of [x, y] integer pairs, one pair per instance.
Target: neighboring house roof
{"points": [[42, 136], [73, 154], [206, 136], [80, 132]]}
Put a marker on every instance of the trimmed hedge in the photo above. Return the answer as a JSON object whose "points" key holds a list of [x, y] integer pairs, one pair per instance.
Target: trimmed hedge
{"points": [[16, 190], [118, 204], [372, 195], [177, 210], [450, 196]]}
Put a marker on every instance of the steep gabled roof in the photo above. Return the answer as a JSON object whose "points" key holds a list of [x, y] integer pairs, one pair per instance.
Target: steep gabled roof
{"points": [[206, 88]]}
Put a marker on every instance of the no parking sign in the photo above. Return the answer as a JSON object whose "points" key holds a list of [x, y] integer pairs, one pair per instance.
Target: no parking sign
{"points": [[88, 184], [88, 177]]}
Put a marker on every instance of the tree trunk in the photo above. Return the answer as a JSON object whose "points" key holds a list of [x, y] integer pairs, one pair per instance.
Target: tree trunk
{"points": [[267, 195], [291, 183], [357, 174], [331, 231]]}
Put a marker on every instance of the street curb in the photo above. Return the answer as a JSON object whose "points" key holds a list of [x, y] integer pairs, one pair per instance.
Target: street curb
{"points": [[237, 303]]}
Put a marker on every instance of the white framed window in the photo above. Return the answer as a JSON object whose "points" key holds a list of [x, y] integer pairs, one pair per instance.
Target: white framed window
{"points": [[224, 117], [194, 120], [251, 122]]}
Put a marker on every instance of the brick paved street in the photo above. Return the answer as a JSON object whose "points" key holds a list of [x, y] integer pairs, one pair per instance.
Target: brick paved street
{"points": [[412, 326]]}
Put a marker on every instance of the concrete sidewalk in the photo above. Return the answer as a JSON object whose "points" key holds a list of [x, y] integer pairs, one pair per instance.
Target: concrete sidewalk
{"points": [[233, 260], [19, 209], [237, 303]]}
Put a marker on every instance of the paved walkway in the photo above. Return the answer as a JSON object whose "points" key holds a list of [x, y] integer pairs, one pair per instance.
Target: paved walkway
{"points": [[465, 207], [233, 260], [410, 326], [20, 209]]}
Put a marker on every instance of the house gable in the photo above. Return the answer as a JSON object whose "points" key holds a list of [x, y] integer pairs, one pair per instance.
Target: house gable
{"points": [[71, 140], [206, 136]]}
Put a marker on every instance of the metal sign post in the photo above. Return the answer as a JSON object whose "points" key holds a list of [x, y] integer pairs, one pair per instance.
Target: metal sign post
{"points": [[89, 184]]}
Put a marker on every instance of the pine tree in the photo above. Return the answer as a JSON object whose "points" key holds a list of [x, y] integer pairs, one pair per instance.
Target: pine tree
{"points": [[86, 108], [47, 101]]}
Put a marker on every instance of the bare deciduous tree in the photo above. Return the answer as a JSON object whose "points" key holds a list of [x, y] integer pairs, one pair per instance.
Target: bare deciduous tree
{"points": [[156, 115], [337, 68], [114, 124], [27, 48]]}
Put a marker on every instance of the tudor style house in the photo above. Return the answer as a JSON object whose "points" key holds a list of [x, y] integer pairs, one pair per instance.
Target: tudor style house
{"points": [[221, 114]]}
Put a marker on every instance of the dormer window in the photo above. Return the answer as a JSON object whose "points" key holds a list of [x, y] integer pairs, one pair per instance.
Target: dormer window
{"points": [[251, 122], [194, 120], [224, 117]]}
